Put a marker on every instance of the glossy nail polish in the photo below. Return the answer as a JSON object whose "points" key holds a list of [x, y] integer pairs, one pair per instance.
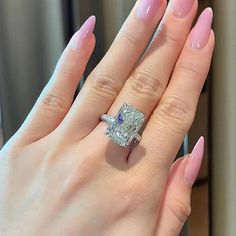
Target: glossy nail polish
{"points": [[147, 9], [83, 33], [181, 8], [202, 30], [194, 162]]}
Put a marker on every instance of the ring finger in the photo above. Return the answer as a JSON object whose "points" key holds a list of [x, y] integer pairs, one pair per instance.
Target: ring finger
{"points": [[148, 81]]}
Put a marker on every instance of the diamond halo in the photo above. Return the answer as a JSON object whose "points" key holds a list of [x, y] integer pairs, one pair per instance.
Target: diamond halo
{"points": [[124, 127]]}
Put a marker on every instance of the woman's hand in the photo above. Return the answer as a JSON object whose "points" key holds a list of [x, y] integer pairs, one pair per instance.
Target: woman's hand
{"points": [[60, 175]]}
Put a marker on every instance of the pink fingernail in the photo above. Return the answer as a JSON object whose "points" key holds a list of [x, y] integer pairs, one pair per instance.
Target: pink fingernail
{"points": [[181, 8], [194, 163], [83, 33], [147, 9], [201, 32]]}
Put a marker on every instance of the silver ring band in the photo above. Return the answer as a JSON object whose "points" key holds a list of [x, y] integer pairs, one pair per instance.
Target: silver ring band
{"points": [[107, 118]]}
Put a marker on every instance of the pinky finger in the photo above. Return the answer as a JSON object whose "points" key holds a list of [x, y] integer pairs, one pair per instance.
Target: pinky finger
{"points": [[176, 205]]}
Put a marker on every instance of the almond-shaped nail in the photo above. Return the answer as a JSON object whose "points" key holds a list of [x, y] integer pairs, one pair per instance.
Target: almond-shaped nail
{"points": [[181, 8], [194, 162], [201, 32], [83, 33], [147, 9]]}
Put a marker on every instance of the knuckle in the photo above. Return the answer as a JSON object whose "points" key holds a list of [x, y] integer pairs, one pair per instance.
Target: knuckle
{"points": [[129, 39], [105, 84], [180, 210], [190, 70], [67, 69], [70, 70], [170, 36], [54, 102], [176, 112], [68, 64], [145, 83]]}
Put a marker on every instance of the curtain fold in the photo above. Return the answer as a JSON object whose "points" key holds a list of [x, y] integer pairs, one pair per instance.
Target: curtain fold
{"points": [[223, 162], [31, 42]]}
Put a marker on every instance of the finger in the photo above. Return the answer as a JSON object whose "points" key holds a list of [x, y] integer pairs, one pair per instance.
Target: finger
{"points": [[148, 82], [175, 112], [176, 206], [56, 98], [105, 82]]}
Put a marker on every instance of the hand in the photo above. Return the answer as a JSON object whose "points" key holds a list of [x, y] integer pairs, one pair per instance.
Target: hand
{"points": [[60, 175]]}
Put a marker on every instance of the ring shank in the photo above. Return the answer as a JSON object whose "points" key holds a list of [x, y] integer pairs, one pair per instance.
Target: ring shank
{"points": [[107, 118]]}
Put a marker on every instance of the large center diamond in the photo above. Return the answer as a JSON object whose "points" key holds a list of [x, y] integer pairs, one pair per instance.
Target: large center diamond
{"points": [[126, 125]]}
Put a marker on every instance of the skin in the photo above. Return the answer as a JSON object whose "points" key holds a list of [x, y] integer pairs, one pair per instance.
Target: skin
{"points": [[59, 174]]}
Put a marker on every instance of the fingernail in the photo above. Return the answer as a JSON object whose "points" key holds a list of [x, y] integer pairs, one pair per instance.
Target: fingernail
{"points": [[201, 32], [147, 9], [181, 8], [83, 33], [194, 162]]}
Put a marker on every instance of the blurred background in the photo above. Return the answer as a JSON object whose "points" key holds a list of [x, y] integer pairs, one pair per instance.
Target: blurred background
{"points": [[33, 34]]}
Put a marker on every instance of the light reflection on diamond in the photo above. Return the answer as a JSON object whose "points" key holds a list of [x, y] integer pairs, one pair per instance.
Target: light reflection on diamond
{"points": [[124, 132]]}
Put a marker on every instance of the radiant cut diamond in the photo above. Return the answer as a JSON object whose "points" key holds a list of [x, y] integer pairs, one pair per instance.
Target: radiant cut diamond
{"points": [[125, 126]]}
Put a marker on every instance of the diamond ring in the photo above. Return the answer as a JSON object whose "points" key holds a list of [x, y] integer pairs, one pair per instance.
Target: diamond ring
{"points": [[124, 127]]}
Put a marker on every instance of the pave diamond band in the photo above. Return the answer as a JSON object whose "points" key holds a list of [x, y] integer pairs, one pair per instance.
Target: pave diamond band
{"points": [[107, 118], [124, 127]]}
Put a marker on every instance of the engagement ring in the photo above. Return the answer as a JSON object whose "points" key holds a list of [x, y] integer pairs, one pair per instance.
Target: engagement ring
{"points": [[124, 127]]}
